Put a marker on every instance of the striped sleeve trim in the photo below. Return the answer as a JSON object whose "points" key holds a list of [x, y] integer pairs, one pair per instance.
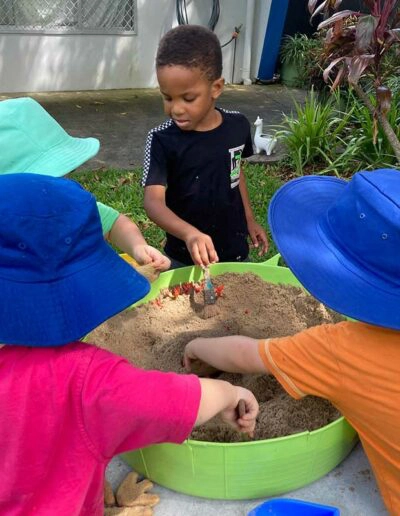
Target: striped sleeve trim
{"points": [[230, 111], [147, 149], [288, 384]]}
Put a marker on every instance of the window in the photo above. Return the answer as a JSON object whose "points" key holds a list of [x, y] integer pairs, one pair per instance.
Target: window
{"points": [[68, 16]]}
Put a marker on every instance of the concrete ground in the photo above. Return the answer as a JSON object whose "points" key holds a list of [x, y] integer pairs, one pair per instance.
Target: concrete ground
{"points": [[121, 119], [350, 487]]}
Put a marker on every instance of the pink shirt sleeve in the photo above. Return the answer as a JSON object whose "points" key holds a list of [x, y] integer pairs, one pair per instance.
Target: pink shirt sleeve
{"points": [[125, 408]]}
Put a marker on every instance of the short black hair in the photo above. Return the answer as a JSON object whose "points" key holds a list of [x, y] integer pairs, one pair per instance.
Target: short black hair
{"points": [[191, 46]]}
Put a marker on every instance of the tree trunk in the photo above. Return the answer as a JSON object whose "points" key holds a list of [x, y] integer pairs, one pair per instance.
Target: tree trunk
{"points": [[387, 128]]}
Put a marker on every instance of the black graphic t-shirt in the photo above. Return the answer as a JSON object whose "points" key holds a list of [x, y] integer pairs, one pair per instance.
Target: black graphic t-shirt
{"points": [[201, 172]]}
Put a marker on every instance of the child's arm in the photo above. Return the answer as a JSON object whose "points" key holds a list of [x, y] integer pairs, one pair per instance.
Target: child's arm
{"points": [[257, 234], [200, 245], [219, 397], [126, 236], [126, 408], [234, 354]]}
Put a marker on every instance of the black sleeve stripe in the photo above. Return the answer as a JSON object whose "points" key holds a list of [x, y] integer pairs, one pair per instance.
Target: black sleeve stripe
{"points": [[147, 149]]}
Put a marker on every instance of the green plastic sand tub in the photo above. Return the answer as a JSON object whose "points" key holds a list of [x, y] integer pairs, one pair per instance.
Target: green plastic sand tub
{"points": [[243, 470]]}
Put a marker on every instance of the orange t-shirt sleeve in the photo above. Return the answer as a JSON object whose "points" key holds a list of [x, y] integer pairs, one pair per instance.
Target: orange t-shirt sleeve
{"points": [[304, 363]]}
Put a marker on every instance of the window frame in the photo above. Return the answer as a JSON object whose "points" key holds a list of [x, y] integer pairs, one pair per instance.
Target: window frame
{"points": [[71, 31]]}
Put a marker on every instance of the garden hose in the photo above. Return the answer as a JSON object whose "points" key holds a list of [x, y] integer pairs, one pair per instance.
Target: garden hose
{"points": [[234, 36], [182, 17]]}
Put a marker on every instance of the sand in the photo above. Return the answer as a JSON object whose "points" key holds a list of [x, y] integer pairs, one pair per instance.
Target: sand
{"points": [[154, 335]]}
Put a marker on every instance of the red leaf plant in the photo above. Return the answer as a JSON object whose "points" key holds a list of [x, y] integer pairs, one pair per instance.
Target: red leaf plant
{"points": [[355, 44]]}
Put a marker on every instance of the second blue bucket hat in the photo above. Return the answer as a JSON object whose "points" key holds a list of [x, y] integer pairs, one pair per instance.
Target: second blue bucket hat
{"points": [[342, 241], [32, 141], [59, 279]]}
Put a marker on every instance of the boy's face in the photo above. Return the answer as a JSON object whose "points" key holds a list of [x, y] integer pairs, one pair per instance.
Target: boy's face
{"points": [[189, 97]]}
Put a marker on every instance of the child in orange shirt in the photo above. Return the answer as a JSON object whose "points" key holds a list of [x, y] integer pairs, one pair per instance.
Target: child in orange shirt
{"points": [[342, 241]]}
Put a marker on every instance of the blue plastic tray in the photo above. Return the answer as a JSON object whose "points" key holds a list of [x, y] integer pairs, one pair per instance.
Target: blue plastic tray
{"points": [[292, 507]]}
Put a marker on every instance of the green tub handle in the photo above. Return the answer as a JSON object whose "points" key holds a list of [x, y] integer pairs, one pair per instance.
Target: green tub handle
{"points": [[274, 260]]}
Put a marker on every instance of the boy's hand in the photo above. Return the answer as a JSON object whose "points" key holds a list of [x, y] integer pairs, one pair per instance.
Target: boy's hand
{"points": [[146, 254], [201, 248], [258, 237], [247, 422]]}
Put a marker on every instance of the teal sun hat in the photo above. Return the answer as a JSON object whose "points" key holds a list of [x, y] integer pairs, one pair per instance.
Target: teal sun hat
{"points": [[32, 141], [59, 279]]}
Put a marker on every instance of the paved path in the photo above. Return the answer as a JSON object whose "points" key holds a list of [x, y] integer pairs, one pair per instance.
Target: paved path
{"points": [[350, 487], [122, 118]]}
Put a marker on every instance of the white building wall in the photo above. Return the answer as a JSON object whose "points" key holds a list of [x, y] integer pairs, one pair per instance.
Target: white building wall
{"points": [[52, 62]]}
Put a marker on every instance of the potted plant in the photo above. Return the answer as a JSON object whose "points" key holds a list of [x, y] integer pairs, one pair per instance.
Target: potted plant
{"points": [[298, 56]]}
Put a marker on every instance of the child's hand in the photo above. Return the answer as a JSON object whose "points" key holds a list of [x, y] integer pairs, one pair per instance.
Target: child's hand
{"points": [[201, 248], [190, 354], [258, 237], [193, 364], [146, 254], [247, 422]]}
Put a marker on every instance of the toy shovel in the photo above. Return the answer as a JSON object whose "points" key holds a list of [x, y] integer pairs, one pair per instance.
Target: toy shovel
{"points": [[210, 298]]}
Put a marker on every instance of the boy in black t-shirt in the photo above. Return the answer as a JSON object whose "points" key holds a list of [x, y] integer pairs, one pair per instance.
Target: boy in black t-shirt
{"points": [[194, 185]]}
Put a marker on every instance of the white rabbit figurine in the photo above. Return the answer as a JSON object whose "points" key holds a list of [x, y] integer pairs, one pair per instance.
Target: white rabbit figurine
{"points": [[263, 142]]}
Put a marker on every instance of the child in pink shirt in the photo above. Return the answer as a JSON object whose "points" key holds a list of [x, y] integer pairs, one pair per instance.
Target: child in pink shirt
{"points": [[66, 406]]}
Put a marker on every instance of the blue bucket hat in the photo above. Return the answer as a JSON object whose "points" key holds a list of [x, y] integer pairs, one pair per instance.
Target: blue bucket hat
{"points": [[32, 141], [59, 279], [342, 241]]}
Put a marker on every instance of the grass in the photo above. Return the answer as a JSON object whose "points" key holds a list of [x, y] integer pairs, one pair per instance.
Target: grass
{"points": [[121, 189]]}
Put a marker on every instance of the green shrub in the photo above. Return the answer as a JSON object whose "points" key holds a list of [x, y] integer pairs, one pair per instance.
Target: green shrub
{"points": [[303, 53], [372, 155], [314, 135], [336, 136]]}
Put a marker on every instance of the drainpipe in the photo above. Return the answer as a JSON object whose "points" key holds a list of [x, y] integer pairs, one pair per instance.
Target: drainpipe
{"points": [[272, 40], [248, 36]]}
